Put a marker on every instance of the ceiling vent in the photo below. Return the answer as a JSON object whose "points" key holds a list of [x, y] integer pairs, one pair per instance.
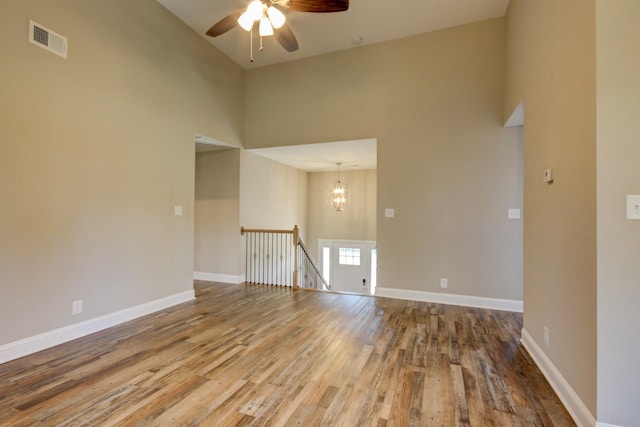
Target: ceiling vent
{"points": [[47, 39]]}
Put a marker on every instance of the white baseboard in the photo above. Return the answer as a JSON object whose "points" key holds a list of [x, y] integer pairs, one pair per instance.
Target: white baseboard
{"points": [[222, 278], [607, 425], [576, 407], [452, 299], [52, 338]]}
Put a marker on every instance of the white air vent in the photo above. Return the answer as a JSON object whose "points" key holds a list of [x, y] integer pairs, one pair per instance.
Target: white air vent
{"points": [[47, 39]]}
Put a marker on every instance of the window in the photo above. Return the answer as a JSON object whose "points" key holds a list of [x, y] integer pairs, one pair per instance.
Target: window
{"points": [[349, 256], [374, 270], [326, 264]]}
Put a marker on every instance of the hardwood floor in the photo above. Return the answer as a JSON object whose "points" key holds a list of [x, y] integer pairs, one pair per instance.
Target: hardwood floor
{"points": [[252, 355]]}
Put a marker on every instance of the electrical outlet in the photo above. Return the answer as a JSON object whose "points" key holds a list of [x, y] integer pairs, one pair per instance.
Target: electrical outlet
{"points": [[76, 307], [444, 283], [546, 336]]}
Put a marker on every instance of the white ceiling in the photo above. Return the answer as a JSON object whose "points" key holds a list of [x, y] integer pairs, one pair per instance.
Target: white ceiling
{"points": [[373, 21], [353, 155]]}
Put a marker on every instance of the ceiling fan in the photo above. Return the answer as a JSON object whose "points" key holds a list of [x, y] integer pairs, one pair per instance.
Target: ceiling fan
{"points": [[270, 21]]}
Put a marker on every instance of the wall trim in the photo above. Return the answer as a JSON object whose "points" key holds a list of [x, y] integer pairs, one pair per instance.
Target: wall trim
{"points": [[576, 407], [221, 278], [452, 299], [607, 425], [55, 337]]}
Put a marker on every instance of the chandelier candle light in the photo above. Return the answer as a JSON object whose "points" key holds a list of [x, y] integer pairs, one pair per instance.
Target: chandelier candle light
{"points": [[339, 194]]}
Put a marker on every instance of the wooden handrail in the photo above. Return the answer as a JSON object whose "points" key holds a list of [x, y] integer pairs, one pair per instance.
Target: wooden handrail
{"points": [[258, 230]]}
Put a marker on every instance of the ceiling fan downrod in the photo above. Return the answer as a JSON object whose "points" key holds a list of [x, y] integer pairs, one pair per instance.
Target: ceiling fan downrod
{"points": [[251, 46]]}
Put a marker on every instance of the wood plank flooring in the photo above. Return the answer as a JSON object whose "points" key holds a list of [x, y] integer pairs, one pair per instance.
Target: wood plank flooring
{"points": [[253, 355]]}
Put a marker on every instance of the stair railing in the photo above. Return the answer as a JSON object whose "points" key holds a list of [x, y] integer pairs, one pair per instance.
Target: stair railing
{"points": [[279, 257], [270, 257], [309, 276]]}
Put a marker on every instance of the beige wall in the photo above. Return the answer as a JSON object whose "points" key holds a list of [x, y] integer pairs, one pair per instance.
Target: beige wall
{"points": [[358, 222], [550, 63], [217, 213], [272, 195], [95, 152], [335, 97], [618, 149], [445, 163]]}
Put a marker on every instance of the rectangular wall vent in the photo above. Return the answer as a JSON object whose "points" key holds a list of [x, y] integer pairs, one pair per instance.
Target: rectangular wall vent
{"points": [[47, 39]]}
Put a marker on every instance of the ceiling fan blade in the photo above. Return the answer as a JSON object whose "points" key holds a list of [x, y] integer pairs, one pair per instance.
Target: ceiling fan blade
{"points": [[225, 24], [319, 6], [285, 37]]}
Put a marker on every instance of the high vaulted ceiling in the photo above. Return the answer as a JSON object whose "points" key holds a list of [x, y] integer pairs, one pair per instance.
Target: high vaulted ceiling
{"points": [[372, 21]]}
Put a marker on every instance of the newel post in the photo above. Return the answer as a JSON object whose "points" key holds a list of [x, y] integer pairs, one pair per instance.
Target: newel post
{"points": [[295, 256]]}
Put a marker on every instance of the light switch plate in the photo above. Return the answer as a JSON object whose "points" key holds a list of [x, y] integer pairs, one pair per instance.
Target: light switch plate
{"points": [[177, 210], [389, 213], [513, 213], [76, 307], [633, 206], [547, 176]]}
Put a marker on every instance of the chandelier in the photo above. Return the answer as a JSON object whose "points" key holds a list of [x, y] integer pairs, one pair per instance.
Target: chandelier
{"points": [[339, 194]]}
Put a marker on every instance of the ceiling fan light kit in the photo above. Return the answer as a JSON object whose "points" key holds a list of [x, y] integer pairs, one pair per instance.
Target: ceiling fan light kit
{"points": [[265, 27], [271, 21], [276, 17], [246, 21], [255, 10]]}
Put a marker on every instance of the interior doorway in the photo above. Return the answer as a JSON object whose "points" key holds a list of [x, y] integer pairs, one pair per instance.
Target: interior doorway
{"points": [[348, 265]]}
